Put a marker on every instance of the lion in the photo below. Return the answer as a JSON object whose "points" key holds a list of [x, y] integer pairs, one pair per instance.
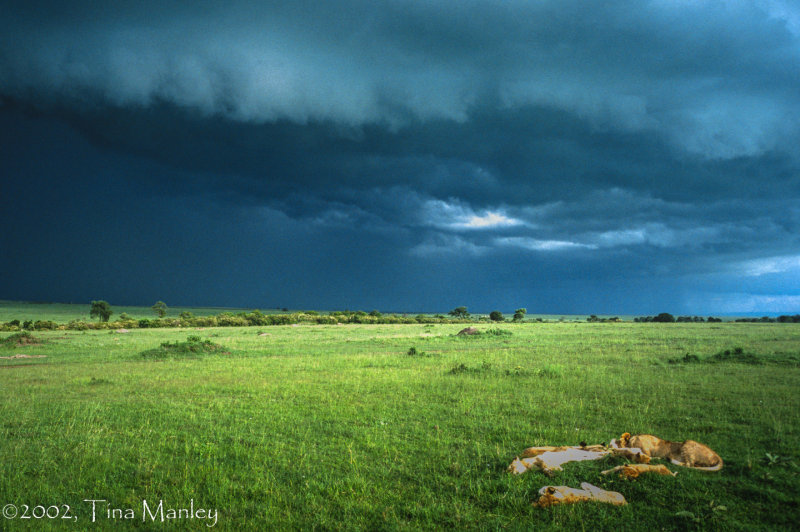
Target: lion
{"points": [[550, 458], [687, 454], [631, 471], [552, 495]]}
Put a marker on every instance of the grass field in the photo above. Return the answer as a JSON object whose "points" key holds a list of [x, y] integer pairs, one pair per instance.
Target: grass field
{"points": [[338, 427]]}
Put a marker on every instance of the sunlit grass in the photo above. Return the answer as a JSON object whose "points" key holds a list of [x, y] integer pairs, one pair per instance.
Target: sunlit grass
{"points": [[338, 427]]}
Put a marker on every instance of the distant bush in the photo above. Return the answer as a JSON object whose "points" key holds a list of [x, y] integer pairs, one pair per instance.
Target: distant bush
{"points": [[737, 355], [44, 325], [10, 326], [518, 371], [740, 356], [77, 325], [228, 320], [193, 346], [687, 359], [496, 315], [463, 368], [497, 332], [550, 371], [412, 352]]}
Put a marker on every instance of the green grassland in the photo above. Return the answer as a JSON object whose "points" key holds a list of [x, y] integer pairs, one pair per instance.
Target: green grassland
{"points": [[338, 427]]}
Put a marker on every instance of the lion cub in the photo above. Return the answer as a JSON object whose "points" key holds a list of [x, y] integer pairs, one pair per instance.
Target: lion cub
{"points": [[687, 454]]}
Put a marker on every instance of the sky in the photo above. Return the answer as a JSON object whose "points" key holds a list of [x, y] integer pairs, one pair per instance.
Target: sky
{"points": [[566, 156]]}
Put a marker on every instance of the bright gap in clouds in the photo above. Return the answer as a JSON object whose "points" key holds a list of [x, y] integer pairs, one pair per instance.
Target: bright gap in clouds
{"points": [[765, 266], [490, 220], [541, 245]]}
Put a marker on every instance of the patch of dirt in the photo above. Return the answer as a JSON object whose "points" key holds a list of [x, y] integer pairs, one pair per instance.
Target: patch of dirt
{"points": [[20, 355]]}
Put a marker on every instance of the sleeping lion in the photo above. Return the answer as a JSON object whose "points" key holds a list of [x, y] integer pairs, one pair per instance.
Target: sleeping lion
{"points": [[687, 454]]}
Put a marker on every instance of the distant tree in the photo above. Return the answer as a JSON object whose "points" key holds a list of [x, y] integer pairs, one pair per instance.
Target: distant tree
{"points": [[664, 317], [519, 314], [375, 314], [186, 315], [496, 315], [160, 308], [101, 310], [459, 312]]}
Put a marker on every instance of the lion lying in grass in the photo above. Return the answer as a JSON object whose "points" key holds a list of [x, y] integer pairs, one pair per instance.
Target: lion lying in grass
{"points": [[551, 495], [687, 454], [549, 458], [631, 471]]}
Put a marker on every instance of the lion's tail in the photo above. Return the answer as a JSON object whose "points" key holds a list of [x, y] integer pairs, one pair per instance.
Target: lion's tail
{"points": [[701, 468]]}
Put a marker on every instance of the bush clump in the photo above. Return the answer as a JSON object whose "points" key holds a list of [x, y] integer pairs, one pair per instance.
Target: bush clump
{"points": [[497, 332], [193, 346], [739, 356], [458, 369], [412, 352], [736, 355]]}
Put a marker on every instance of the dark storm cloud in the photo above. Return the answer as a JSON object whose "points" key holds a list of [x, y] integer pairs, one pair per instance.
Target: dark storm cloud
{"points": [[718, 79], [594, 139]]}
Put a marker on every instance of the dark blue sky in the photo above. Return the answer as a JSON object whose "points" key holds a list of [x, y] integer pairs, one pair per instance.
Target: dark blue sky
{"points": [[620, 157]]}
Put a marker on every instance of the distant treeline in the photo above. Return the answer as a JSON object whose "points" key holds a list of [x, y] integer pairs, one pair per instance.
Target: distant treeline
{"points": [[665, 317], [258, 318], [766, 319], [227, 319]]}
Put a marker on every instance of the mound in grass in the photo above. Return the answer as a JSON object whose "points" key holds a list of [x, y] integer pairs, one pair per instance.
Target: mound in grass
{"points": [[193, 346], [20, 339]]}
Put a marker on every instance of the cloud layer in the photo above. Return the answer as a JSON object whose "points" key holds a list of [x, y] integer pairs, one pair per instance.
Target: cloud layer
{"points": [[601, 139]]}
